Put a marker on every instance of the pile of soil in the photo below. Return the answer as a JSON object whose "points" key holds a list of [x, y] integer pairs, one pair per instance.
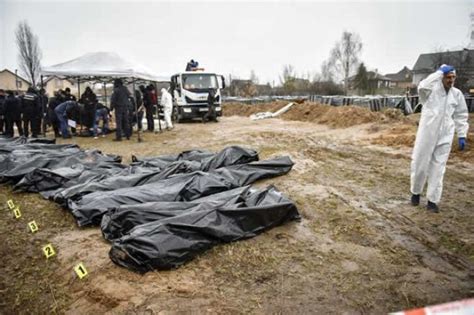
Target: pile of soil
{"points": [[336, 117]]}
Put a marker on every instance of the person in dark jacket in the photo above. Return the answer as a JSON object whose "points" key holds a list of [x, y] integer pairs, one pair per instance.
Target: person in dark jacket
{"points": [[137, 116], [120, 104], [63, 112], [12, 114], [43, 101], [2, 111], [51, 115], [31, 109], [89, 99], [211, 107], [68, 96], [148, 104]]}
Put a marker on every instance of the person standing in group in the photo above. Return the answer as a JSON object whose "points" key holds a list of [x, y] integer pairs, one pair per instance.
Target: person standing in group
{"points": [[120, 104], [444, 111], [51, 115], [42, 121], [167, 103], [151, 100], [12, 114], [68, 96], [89, 99], [31, 109]]}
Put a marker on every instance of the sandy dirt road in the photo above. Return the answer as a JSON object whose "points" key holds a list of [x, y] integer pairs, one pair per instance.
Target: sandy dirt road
{"points": [[360, 248]]}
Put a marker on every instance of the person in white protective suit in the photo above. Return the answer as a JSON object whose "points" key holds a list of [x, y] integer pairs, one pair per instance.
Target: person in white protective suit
{"points": [[167, 103], [444, 111]]}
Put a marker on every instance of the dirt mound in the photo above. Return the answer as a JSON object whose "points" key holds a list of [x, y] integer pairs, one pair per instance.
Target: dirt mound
{"points": [[399, 135], [336, 117]]}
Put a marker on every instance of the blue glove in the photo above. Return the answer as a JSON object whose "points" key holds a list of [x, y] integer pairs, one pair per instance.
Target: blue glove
{"points": [[462, 143], [446, 69]]}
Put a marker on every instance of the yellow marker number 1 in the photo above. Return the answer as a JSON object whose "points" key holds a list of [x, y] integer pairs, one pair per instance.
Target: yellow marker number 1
{"points": [[80, 270], [17, 212], [33, 226], [10, 204], [48, 251]]}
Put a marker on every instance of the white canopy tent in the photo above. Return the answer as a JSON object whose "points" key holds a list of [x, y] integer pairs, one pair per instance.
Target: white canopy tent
{"points": [[102, 65]]}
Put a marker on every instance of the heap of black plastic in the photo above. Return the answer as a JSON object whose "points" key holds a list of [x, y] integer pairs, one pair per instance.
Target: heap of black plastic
{"points": [[171, 241], [23, 161], [120, 221], [159, 168], [90, 208], [46, 181]]}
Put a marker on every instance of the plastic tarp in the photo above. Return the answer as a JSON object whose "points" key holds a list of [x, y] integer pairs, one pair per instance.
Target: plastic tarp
{"points": [[159, 168], [90, 208], [119, 221], [171, 241], [15, 166], [102, 64], [159, 212]]}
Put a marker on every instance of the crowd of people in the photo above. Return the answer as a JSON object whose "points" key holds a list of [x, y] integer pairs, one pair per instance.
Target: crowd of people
{"points": [[34, 112]]}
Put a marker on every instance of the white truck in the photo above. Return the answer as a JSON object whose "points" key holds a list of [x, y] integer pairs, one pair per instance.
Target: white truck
{"points": [[190, 91]]}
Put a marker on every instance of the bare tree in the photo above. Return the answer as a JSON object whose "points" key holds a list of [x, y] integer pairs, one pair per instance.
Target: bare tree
{"points": [[253, 77], [327, 73], [29, 53], [345, 55]]}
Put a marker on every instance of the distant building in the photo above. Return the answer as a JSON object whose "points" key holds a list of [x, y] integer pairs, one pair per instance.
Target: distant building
{"points": [[10, 81], [53, 83], [402, 79], [376, 81], [462, 60], [243, 88]]}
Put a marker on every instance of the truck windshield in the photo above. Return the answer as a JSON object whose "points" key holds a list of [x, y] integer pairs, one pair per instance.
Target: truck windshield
{"points": [[199, 81]]}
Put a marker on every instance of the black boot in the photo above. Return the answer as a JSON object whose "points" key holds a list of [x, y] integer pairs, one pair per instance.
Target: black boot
{"points": [[415, 200], [431, 206]]}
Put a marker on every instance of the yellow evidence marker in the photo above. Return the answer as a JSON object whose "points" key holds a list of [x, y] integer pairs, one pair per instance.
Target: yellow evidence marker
{"points": [[33, 226], [80, 270], [48, 251], [10, 204], [17, 212]]}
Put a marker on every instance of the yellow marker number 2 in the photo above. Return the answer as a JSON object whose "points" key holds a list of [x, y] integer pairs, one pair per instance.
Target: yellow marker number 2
{"points": [[10, 204], [48, 251], [80, 270], [33, 226], [17, 212]]}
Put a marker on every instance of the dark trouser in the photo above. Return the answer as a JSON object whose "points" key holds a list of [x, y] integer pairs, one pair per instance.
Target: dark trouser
{"points": [[9, 127], [30, 124], [140, 118], [122, 123], [2, 124], [211, 113], [150, 122]]}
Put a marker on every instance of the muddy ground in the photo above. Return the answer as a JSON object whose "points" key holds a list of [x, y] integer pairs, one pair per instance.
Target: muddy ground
{"points": [[360, 248]]}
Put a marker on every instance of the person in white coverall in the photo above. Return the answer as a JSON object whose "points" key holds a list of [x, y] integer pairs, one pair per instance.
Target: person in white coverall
{"points": [[167, 103], [444, 110]]}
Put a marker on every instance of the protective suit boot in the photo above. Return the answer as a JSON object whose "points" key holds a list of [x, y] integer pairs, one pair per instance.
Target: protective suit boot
{"points": [[415, 200], [432, 207]]}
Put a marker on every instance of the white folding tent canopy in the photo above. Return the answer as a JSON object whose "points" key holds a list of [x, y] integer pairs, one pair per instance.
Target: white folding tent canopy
{"points": [[102, 65]]}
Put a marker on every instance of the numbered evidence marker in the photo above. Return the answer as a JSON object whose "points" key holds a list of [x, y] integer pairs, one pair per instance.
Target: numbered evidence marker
{"points": [[80, 270], [10, 204], [33, 226], [17, 212], [48, 251]]}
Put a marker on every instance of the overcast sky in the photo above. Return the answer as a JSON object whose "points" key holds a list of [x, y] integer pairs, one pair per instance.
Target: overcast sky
{"points": [[236, 37]]}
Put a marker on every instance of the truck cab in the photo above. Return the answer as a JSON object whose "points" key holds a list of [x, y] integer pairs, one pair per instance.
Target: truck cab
{"points": [[190, 91]]}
